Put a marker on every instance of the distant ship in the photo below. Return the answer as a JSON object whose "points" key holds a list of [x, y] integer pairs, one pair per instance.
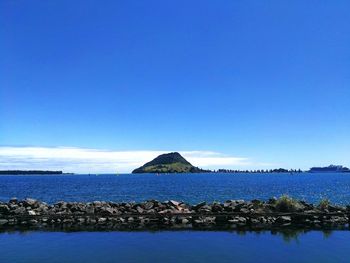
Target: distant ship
{"points": [[330, 169]]}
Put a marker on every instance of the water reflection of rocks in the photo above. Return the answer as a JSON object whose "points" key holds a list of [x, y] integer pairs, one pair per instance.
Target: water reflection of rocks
{"points": [[288, 235]]}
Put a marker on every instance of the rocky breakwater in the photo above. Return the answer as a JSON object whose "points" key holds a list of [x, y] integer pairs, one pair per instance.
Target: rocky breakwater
{"points": [[232, 214]]}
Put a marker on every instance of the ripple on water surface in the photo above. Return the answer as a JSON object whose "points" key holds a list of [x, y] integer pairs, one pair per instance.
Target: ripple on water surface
{"points": [[180, 246], [190, 188]]}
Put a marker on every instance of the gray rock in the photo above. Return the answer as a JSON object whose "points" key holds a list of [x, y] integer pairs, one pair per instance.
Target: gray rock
{"points": [[33, 222], [239, 220], [139, 209], [13, 200], [244, 210], [90, 210], [80, 220], [174, 203], [199, 221], [198, 206], [148, 205], [205, 208], [216, 208], [3, 221], [97, 203], [228, 203], [13, 206], [12, 221], [4, 209], [30, 202], [106, 211], [263, 220], [209, 220], [31, 213], [185, 221], [101, 220], [284, 219], [254, 221]]}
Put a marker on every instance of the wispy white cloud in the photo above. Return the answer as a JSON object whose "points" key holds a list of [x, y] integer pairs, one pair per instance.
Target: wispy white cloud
{"points": [[83, 160]]}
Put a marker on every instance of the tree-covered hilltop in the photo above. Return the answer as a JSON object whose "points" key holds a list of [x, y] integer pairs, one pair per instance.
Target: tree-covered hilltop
{"points": [[169, 163]]}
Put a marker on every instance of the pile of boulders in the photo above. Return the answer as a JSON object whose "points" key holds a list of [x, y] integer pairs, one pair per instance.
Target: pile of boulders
{"points": [[232, 214]]}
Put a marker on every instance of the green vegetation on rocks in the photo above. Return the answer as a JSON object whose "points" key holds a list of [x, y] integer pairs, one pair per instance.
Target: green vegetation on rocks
{"points": [[288, 204], [324, 204]]}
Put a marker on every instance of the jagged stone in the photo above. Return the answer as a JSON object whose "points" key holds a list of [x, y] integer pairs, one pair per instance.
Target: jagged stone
{"points": [[4, 209], [31, 213], [3, 221], [284, 219], [155, 214]]}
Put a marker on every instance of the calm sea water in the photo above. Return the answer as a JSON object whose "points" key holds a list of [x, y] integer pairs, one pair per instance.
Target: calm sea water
{"points": [[181, 246], [191, 247], [191, 188]]}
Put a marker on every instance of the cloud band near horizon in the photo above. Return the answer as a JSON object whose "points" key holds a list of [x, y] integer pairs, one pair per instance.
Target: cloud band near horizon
{"points": [[87, 160]]}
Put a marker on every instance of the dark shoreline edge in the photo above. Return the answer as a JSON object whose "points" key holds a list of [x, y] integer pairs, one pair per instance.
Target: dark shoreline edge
{"points": [[233, 215]]}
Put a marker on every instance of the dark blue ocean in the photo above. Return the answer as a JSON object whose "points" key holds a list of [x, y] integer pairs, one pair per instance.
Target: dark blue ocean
{"points": [[175, 246], [190, 188]]}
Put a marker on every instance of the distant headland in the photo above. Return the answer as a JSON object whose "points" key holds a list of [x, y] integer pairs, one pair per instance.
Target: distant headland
{"points": [[28, 172], [169, 163], [174, 163], [330, 169]]}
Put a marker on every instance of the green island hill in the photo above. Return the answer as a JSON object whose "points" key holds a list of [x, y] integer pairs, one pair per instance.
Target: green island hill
{"points": [[169, 163]]}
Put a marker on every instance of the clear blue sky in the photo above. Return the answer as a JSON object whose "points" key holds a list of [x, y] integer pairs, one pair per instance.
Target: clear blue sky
{"points": [[267, 80]]}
